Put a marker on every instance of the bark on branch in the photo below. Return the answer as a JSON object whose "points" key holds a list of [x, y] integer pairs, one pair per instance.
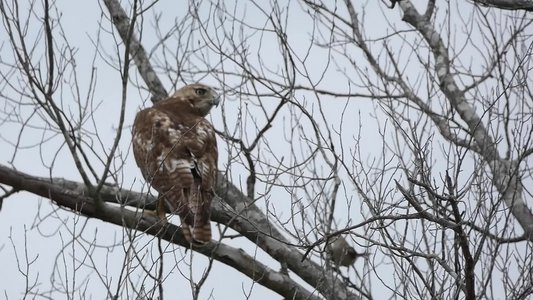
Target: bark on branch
{"points": [[122, 23], [526, 5], [505, 172], [249, 220], [122, 207], [73, 195]]}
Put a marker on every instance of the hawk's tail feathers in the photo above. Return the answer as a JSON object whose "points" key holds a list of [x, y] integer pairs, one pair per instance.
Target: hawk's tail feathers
{"points": [[202, 233], [186, 231], [199, 234], [200, 213], [195, 218]]}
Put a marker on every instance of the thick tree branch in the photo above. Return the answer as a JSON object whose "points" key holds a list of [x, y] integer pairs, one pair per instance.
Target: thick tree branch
{"points": [[505, 173], [73, 195], [122, 23], [526, 5], [253, 223], [441, 121]]}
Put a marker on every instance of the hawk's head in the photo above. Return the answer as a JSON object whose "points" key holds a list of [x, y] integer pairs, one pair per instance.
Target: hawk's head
{"points": [[200, 97]]}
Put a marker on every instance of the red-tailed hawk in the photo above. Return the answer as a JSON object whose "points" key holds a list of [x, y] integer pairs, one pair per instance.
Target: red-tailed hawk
{"points": [[175, 147]]}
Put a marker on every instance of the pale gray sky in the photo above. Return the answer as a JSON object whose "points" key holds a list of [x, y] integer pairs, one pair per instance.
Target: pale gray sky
{"points": [[28, 222]]}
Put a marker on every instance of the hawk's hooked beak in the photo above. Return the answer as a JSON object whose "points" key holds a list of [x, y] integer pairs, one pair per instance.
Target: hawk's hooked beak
{"points": [[216, 100]]}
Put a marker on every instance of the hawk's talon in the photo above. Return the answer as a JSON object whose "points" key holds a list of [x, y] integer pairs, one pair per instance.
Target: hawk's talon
{"points": [[154, 215]]}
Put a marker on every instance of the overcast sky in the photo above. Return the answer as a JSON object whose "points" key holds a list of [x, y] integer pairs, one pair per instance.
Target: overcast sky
{"points": [[46, 232]]}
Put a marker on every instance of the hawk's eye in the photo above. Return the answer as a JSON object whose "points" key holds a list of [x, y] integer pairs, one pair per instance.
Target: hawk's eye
{"points": [[200, 91]]}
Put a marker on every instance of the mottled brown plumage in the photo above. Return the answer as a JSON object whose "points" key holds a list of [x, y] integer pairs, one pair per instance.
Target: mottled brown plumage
{"points": [[175, 148]]}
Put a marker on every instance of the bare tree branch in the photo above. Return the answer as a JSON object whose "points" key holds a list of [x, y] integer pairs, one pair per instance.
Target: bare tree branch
{"points": [[122, 22], [526, 5], [412, 140], [272, 242], [73, 195], [504, 172]]}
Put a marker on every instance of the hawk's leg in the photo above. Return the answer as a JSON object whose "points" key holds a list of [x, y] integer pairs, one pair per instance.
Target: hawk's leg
{"points": [[159, 212]]}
